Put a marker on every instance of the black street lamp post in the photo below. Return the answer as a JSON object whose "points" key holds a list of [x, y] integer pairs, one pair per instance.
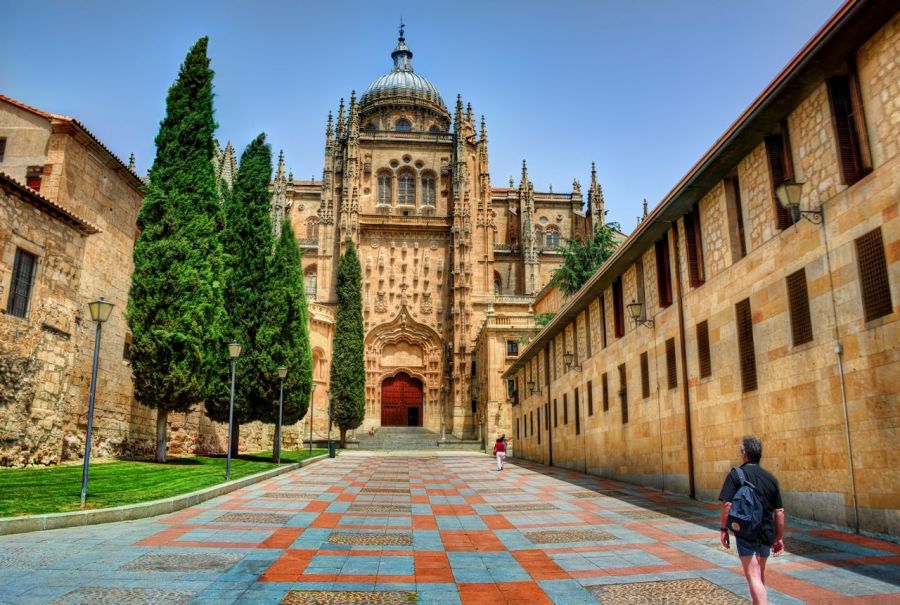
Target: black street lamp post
{"points": [[100, 310], [282, 372], [234, 350]]}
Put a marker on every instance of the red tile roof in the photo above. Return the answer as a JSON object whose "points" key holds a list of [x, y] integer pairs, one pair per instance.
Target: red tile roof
{"points": [[59, 118]]}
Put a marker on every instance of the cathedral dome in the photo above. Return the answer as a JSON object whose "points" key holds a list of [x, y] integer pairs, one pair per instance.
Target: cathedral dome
{"points": [[402, 82]]}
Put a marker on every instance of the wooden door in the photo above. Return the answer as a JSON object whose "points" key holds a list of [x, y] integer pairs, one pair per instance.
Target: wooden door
{"points": [[398, 394]]}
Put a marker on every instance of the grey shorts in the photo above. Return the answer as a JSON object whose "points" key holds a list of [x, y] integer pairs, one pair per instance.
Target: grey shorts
{"points": [[747, 549]]}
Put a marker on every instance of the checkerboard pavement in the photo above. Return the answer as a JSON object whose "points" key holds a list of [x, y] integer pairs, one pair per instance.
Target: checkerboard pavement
{"points": [[443, 529]]}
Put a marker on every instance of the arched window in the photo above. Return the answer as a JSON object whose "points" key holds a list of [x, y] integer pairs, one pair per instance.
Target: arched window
{"points": [[312, 229], [539, 238], [310, 281], [434, 129], [403, 125], [369, 126], [498, 284], [428, 189], [552, 238], [384, 189], [406, 189], [319, 369]]}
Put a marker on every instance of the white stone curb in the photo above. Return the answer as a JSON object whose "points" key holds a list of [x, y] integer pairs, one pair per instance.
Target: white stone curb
{"points": [[141, 510]]}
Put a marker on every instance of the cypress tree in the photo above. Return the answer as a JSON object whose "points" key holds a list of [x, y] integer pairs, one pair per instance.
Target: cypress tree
{"points": [[247, 241], [348, 372], [284, 335], [175, 305]]}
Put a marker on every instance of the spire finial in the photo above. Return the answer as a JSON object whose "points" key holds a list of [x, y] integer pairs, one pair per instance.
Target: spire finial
{"points": [[402, 26], [131, 162], [645, 207]]}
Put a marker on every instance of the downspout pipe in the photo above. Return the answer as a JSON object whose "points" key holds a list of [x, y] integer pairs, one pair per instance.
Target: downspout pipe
{"points": [[685, 391]]}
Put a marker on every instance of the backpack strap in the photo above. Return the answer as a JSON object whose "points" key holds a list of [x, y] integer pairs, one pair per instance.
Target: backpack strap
{"points": [[742, 477]]}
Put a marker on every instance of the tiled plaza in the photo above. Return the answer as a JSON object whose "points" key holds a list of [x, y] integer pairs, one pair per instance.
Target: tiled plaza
{"points": [[365, 528]]}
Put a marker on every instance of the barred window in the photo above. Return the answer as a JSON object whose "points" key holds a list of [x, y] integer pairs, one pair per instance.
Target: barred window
{"points": [[428, 190], [745, 345], [604, 383], [590, 396], [565, 408], [873, 276], [623, 392], [384, 189], [645, 375], [555, 415], [694, 247], [798, 306], [663, 272], [671, 364], [20, 289], [577, 414], [406, 189], [703, 358]]}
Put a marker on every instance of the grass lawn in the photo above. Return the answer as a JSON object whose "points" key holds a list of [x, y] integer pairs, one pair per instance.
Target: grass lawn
{"points": [[57, 489]]}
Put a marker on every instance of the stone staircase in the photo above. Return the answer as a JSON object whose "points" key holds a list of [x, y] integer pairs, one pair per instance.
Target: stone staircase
{"points": [[411, 438]]}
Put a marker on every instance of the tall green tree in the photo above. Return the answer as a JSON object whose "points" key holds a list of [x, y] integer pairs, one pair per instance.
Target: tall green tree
{"points": [[283, 338], [583, 256], [175, 305], [247, 241], [348, 372]]}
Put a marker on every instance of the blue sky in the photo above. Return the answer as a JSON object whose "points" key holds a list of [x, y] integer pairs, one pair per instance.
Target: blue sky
{"points": [[642, 87]]}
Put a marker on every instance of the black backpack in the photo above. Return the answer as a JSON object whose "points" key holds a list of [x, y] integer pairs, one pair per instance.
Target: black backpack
{"points": [[745, 519]]}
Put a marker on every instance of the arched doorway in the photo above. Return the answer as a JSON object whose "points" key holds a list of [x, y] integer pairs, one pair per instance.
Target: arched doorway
{"points": [[401, 401]]}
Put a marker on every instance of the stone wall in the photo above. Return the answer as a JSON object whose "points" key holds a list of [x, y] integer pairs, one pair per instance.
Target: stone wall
{"points": [[37, 353], [826, 410]]}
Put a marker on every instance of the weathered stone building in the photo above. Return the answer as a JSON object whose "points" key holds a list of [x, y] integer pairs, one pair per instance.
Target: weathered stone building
{"points": [[751, 319], [41, 254], [46, 334], [410, 185]]}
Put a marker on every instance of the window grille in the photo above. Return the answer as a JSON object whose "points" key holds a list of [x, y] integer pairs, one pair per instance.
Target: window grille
{"points": [[428, 190], [20, 289], [781, 170], [694, 247], [873, 276], [406, 189], [645, 375], [703, 358], [847, 118], [590, 396], [623, 393], [663, 272], [745, 345], [604, 383], [384, 189], [565, 408], [618, 308], [577, 414], [798, 306], [671, 364]]}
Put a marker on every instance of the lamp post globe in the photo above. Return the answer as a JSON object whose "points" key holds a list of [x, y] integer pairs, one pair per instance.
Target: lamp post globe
{"points": [[100, 310]]}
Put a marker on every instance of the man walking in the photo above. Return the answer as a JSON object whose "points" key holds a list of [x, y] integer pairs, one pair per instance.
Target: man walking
{"points": [[754, 551]]}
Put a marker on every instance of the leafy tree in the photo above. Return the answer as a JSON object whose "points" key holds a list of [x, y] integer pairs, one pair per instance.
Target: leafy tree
{"points": [[175, 306], [348, 372], [283, 337], [247, 241], [583, 256]]}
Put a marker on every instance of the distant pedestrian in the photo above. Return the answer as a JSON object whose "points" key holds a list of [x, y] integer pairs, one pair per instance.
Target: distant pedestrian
{"points": [[500, 451], [750, 495]]}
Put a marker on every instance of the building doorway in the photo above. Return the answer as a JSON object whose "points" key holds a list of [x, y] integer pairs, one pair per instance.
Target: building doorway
{"points": [[401, 401]]}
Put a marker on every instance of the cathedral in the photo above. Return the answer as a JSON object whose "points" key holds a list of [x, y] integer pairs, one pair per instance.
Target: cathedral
{"points": [[408, 182]]}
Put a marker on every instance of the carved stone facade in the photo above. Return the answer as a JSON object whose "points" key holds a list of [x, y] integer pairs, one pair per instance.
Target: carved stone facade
{"points": [[410, 185]]}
